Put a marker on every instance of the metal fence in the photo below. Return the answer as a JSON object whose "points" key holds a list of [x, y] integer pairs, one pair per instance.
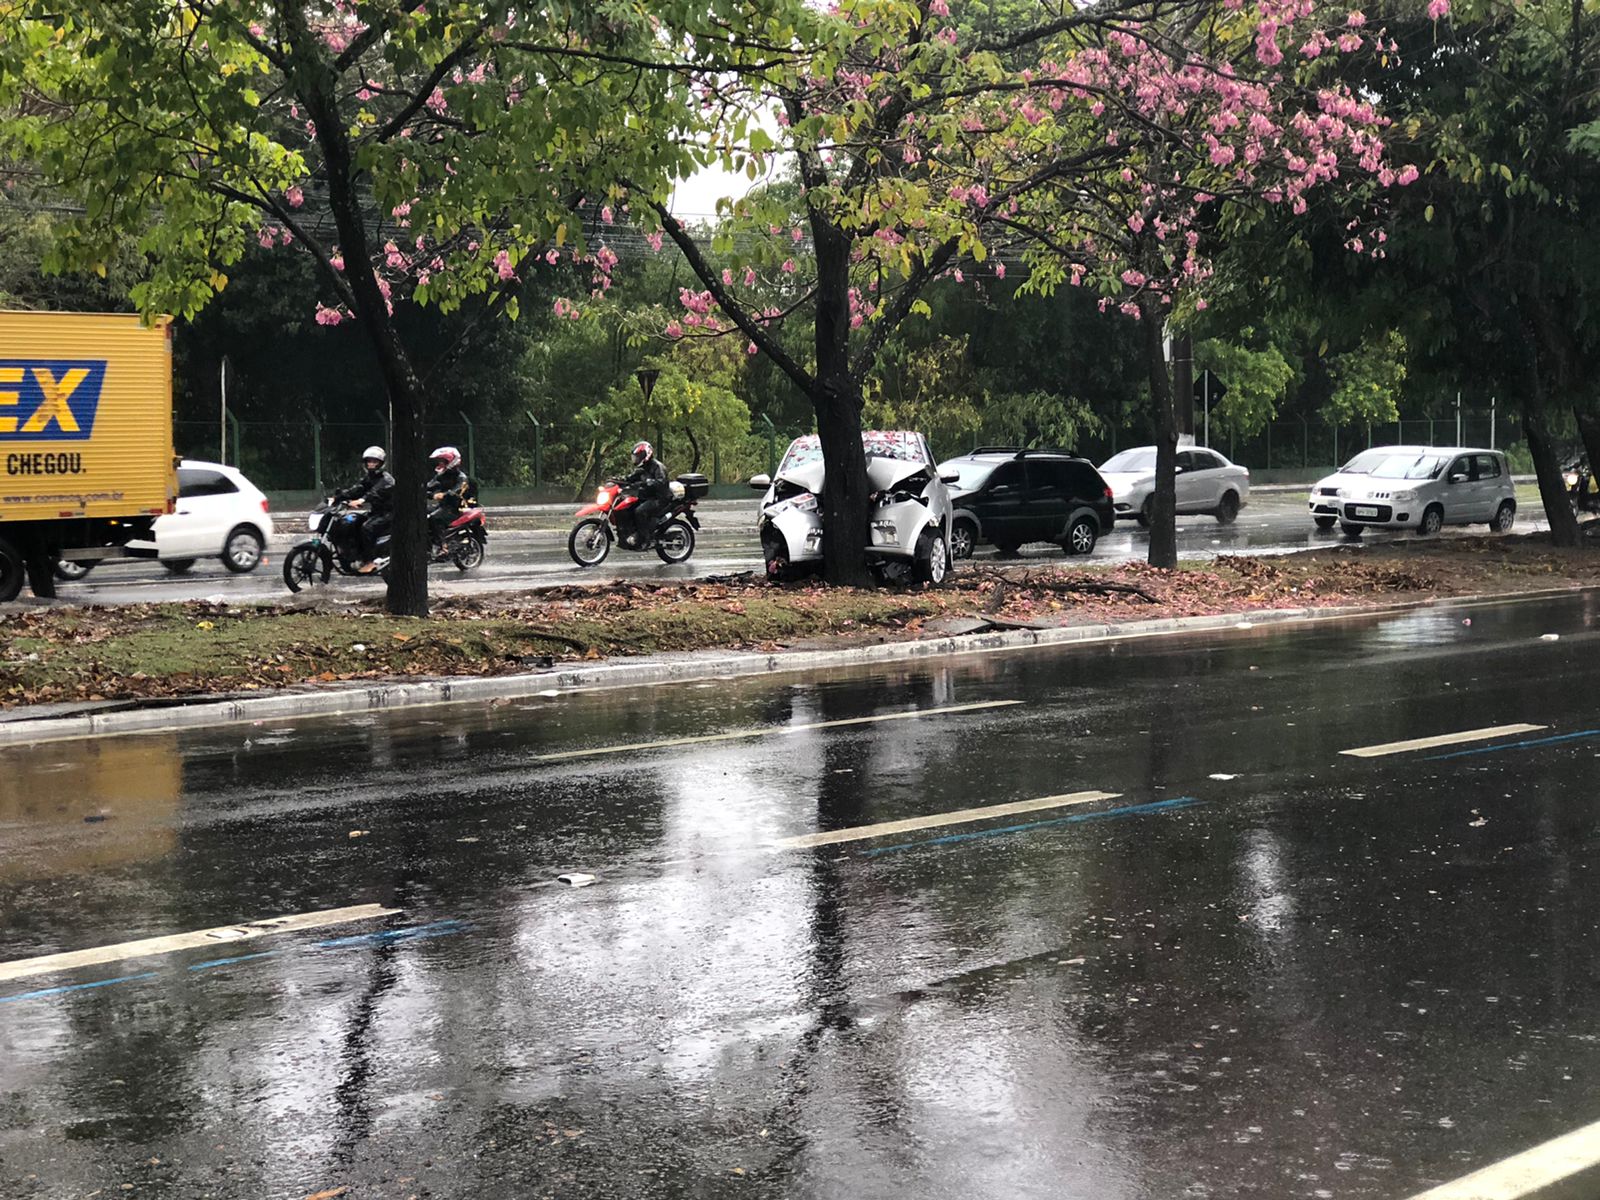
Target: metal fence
{"points": [[546, 457]]}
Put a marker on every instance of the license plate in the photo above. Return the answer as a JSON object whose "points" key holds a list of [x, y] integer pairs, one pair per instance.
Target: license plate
{"points": [[1366, 512]]}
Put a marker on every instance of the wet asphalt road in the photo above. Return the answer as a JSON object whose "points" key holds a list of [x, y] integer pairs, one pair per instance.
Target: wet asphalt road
{"points": [[521, 557], [1261, 968]]}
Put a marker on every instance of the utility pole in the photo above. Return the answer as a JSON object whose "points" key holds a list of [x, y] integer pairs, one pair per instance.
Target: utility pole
{"points": [[1458, 418], [222, 418]]}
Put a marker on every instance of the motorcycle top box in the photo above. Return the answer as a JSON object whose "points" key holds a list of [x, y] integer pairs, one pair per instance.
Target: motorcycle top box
{"points": [[695, 486]]}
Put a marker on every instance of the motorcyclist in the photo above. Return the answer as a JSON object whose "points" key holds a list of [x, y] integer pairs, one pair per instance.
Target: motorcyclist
{"points": [[373, 492], [649, 480], [449, 489]]}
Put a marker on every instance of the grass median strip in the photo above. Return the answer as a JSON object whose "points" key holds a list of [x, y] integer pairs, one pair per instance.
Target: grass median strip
{"points": [[45, 964], [772, 731]]}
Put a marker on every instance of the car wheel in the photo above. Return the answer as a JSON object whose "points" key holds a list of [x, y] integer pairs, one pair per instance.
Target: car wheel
{"points": [[1326, 522], [1432, 521], [1504, 518], [241, 553], [933, 559], [1082, 536], [71, 572], [1351, 531], [1147, 512], [963, 539], [178, 566], [1228, 508]]}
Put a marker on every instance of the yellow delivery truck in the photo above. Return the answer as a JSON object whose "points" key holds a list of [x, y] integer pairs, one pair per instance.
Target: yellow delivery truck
{"points": [[86, 460]]}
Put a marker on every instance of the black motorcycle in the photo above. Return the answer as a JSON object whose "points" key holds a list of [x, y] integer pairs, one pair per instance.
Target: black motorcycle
{"points": [[336, 545], [1583, 491]]}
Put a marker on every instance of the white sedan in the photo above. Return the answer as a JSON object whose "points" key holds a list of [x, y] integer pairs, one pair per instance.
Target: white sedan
{"points": [[220, 514], [1206, 483]]}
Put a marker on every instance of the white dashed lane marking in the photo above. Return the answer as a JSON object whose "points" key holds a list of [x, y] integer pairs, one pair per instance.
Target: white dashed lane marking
{"points": [[1443, 739]]}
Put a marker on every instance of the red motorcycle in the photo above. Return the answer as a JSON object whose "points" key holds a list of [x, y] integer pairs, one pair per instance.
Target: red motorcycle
{"points": [[464, 540], [672, 539]]}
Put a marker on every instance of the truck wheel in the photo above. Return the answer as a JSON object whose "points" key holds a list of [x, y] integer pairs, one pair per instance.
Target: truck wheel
{"points": [[70, 572], [11, 572]]}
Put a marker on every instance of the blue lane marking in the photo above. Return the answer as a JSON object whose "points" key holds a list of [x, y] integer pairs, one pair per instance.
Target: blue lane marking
{"points": [[1544, 741], [75, 987], [436, 929], [1110, 814], [238, 958]]}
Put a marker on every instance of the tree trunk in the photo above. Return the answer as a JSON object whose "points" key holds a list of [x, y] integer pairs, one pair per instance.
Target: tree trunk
{"points": [[1552, 488], [837, 400], [1163, 502], [316, 84]]}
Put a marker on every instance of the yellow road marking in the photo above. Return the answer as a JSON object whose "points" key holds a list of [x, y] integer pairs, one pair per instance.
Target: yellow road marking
{"points": [[223, 935], [1526, 1173], [1444, 739], [859, 833], [772, 731]]}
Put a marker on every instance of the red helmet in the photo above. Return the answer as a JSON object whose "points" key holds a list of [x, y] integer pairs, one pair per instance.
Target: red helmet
{"points": [[643, 453], [444, 458]]}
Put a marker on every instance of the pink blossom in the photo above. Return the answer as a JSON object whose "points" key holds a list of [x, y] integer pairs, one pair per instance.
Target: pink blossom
{"points": [[750, 348], [1200, 306], [336, 261], [605, 214], [436, 102], [256, 31], [328, 316], [999, 270], [960, 278], [1356, 19], [788, 266], [749, 277], [674, 329], [1408, 173], [1136, 222], [295, 197], [939, 8], [655, 240], [401, 210], [1437, 9], [503, 267], [727, 276]]}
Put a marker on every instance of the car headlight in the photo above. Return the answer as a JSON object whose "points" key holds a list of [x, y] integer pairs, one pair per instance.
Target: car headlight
{"points": [[1403, 497], [806, 502], [1570, 479]]}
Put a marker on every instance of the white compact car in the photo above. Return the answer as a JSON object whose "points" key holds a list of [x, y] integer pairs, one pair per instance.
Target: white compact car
{"points": [[1417, 487], [1206, 483], [220, 514]]}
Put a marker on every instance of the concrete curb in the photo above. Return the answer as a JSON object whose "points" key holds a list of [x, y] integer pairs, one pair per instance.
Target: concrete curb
{"points": [[680, 669]]}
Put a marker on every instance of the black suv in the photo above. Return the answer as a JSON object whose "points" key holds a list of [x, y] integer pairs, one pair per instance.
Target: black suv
{"points": [[1008, 496]]}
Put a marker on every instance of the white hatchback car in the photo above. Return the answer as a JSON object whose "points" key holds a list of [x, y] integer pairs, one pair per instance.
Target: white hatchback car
{"points": [[1206, 483], [1417, 487], [220, 514]]}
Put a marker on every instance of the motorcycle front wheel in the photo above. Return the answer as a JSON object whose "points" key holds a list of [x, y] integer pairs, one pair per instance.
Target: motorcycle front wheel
{"points": [[306, 565], [466, 553], [589, 542], [675, 542]]}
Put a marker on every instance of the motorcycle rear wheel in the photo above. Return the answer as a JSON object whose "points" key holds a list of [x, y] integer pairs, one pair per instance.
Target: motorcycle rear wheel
{"points": [[306, 565], [466, 553], [589, 542], [674, 542]]}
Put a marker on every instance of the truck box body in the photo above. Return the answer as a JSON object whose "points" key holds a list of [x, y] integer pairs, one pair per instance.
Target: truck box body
{"points": [[85, 419]]}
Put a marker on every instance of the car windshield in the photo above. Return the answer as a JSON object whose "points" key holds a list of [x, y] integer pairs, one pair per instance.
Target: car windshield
{"points": [[1409, 466], [802, 452], [1363, 463], [970, 473], [1131, 460], [878, 443]]}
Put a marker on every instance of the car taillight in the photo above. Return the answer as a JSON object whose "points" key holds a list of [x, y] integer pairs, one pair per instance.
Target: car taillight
{"points": [[1108, 493], [266, 505]]}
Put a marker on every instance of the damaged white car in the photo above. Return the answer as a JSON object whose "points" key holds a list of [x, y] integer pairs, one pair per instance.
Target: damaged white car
{"points": [[908, 533]]}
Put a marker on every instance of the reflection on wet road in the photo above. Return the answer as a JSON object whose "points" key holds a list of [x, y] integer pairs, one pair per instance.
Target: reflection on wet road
{"points": [[1144, 930]]}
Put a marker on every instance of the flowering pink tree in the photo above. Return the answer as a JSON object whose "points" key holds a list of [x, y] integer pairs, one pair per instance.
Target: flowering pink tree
{"points": [[1112, 146], [429, 152]]}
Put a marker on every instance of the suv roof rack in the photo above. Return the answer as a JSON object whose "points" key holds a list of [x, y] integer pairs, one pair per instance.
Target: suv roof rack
{"points": [[1023, 451]]}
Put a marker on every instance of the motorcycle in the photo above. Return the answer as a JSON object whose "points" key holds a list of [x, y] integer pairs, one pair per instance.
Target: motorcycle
{"points": [[672, 539], [1583, 489], [336, 545]]}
